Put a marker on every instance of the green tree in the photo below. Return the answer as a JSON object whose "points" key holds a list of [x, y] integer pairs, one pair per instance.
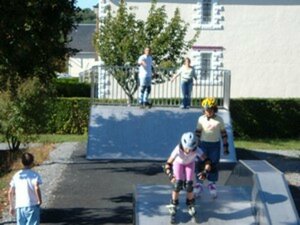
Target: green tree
{"points": [[122, 38], [87, 16], [34, 35], [23, 115]]}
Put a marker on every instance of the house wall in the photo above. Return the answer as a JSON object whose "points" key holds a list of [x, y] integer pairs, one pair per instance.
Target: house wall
{"points": [[260, 41], [81, 62]]}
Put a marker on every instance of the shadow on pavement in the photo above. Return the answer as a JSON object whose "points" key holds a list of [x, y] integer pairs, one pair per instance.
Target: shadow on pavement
{"points": [[76, 216]]}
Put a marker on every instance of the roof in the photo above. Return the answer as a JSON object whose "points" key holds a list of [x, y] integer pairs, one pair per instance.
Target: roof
{"points": [[82, 38]]}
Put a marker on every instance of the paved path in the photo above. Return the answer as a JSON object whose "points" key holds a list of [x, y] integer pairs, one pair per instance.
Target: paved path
{"points": [[100, 192]]}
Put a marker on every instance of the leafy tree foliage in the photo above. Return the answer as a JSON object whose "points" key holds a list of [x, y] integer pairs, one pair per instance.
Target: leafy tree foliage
{"points": [[34, 37], [23, 115], [122, 38], [87, 16]]}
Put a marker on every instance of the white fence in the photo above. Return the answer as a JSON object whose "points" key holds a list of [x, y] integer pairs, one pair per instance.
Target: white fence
{"points": [[119, 85]]}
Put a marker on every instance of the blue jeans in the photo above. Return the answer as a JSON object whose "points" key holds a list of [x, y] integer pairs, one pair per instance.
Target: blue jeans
{"points": [[212, 150], [186, 88], [144, 89], [28, 215]]}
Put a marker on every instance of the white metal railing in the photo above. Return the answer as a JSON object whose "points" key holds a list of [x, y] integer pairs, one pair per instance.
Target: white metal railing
{"points": [[119, 85]]}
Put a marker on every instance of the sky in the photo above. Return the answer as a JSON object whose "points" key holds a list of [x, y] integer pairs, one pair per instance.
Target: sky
{"points": [[86, 3]]}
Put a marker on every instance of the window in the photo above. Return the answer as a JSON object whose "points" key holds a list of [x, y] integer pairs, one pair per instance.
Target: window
{"points": [[208, 63], [205, 65], [208, 15], [206, 11]]}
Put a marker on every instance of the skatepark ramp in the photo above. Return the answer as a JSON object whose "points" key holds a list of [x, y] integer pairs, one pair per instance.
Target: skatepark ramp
{"points": [[121, 132], [254, 193]]}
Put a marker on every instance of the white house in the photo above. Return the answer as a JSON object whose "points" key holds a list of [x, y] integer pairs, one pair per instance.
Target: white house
{"points": [[257, 40], [86, 58]]}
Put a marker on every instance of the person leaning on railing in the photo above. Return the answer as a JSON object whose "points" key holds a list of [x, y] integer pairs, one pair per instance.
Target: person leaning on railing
{"points": [[187, 73]]}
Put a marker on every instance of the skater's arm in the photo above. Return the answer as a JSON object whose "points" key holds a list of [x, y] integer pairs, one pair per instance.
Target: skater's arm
{"points": [[168, 168], [207, 167], [225, 143]]}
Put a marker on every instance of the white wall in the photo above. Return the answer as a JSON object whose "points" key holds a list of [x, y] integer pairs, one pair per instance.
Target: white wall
{"points": [[261, 41], [80, 62]]}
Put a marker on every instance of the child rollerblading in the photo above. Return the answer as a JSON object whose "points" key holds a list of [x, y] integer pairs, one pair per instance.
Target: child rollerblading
{"points": [[210, 130], [180, 168]]}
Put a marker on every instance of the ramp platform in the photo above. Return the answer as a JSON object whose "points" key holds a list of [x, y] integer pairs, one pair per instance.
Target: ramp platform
{"points": [[231, 207], [254, 193], [120, 132]]}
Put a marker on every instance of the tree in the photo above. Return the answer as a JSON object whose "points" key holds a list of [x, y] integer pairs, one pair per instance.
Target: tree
{"points": [[122, 38], [34, 37], [87, 15], [23, 115]]}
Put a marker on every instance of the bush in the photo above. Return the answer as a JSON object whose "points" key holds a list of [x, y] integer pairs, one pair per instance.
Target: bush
{"points": [[22, 113], [68, 116], [265, 118], [71, 87]]}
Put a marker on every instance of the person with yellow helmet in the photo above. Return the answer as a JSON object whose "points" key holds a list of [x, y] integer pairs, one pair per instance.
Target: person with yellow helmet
{"points": [[210, 130]]}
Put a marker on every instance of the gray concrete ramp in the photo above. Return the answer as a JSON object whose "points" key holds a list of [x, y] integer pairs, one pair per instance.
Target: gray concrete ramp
{"points": [[231, 207], [120, 132], [254, 193]]}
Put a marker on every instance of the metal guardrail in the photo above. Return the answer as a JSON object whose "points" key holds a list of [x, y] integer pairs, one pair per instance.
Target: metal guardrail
{"points": [[119, 85]]}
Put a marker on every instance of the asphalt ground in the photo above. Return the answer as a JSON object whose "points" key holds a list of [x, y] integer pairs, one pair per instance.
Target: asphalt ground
{"points": [[101, 192]]}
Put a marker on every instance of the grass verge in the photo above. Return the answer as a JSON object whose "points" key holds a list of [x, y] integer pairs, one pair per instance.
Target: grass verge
{"points": [[271, 144]]}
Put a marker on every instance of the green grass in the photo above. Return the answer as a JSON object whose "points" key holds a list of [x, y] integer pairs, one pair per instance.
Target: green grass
{"points": [[287, 144], [272, 144], [56, 138]]}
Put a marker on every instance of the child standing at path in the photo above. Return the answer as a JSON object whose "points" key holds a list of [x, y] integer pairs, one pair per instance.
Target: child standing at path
{"points": [[180, 168], [25, 187]]}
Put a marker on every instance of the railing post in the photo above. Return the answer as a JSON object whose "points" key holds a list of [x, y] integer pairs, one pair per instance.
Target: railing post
{"points": [[92, 86], [226, 94]]}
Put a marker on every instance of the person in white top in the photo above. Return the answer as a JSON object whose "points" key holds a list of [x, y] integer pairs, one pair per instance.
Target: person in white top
{"points": [[210, 130], [25, 187], [187, 73], [180, 168], [145, 77]]}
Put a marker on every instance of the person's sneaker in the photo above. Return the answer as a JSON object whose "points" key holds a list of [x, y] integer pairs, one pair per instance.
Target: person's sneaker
{"points": [[212, 190], [198, 190], [148, 105]]}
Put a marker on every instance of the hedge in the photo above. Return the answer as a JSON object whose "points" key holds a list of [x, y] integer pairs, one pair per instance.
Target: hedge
{"points": [[251, 118], [265, 118], [71, 87], [68, 116]]}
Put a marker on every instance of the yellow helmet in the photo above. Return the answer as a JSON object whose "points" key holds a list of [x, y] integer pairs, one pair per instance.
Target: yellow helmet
{"points": [[209, 103]]}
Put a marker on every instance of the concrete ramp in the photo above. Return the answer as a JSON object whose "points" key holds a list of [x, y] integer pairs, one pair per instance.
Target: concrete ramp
{"points": [[254, 193], [231, 207], [120, 132]]}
